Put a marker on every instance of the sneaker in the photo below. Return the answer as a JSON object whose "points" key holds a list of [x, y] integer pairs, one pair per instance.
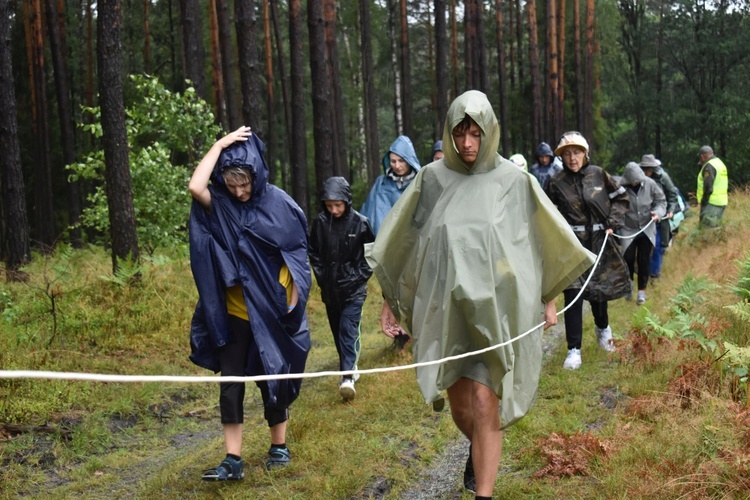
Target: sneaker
{"points": [[346, 389], [604, 336], [278, 457], [573, 360], [356, 375], [228, 470], [470, 481], [641, 298]]}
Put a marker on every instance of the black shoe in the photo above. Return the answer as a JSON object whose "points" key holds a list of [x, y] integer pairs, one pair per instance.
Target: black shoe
{"points": [[228, 470], [470, 482]]}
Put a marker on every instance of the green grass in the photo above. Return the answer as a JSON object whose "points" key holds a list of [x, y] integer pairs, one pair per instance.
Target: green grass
{"points": [[154, 440]]}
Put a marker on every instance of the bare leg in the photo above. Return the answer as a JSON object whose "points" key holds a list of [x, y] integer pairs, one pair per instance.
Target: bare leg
{"points": [[278, 433], [233, 438], [476, 412]]}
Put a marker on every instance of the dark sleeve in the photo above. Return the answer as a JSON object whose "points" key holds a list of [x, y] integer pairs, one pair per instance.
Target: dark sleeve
{"points": [[619, 204], [673, 204], [709, 175], [314, 250]]}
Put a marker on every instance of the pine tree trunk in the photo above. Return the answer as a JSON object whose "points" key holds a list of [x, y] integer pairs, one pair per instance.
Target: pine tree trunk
{"points": [[406, 99], [519, 40], [578, 67], [441, 67], [89, 54], [270, 136], [588, 77], [114, 133], [146, 37], [44, 218], [396, 68], [552, 83], [321, 95], [454, 51], [372, 139], [65, 113], [217, 76], [246, 26], [298, 145], [536, 91], [193, 54], [337, 105], [561, 10], [281, 64], [15, 233], [659, 80], [228, 64], [503, 115]]}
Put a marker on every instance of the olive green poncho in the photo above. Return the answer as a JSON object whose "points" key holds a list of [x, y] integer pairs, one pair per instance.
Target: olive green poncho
{"points": [[466, 257]]}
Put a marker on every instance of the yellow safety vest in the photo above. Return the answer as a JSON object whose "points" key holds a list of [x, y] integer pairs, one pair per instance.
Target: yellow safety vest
{"points": [[719, 196]]}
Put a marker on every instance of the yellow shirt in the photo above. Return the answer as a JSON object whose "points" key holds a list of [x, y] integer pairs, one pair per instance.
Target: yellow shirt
{"points": [[236, 300]]}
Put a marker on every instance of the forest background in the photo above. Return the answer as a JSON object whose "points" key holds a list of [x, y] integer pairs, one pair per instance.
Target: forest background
{"points": [[106, 107]]}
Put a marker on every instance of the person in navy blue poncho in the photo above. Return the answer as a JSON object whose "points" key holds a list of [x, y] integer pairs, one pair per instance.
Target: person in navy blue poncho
{"points": [[248, 253]]}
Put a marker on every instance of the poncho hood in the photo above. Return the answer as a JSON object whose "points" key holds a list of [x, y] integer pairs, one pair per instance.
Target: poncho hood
{"points": [[247, 154], [632, 175], [403, 147], [475, 105], [336, 188]]}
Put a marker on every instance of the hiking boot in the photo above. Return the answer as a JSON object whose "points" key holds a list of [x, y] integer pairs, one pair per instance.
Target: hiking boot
{"points": [[346, 389], [228, 470], [604, 336], [573, 360], [278, 457], [470, 481], [641, 298]]}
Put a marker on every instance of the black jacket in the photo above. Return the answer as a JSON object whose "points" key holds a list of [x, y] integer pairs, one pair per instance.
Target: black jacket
{"points": [[337, 247]]}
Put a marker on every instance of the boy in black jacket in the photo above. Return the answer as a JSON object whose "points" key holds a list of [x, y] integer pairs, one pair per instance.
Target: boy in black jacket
{"points": [[337, 254]]}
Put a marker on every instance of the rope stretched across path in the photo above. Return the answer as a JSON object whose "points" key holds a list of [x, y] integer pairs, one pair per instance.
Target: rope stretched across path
{"points": [[100, 377]]}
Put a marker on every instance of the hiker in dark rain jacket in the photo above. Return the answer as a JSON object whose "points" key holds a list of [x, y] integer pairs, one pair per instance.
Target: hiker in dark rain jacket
{"points": [[248, 254], [337, 255]]}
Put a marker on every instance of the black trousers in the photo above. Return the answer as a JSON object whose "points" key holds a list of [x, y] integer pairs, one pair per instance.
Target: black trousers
{"points": [[574, 318], [233, 358], [639, 252]]}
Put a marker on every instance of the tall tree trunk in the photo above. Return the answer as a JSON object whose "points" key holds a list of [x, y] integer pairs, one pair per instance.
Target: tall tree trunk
{"points": [[406, 98], [146, 37], [337, 104], [470, 45], [89, 54], [504, 140], [398, 107], [659, 78], [228, 64], [588, 77], [114, 133], [44, 217], [270, 137], [536, 91], [321, 95], [441, 67], [578, 67], [298, 145], [281, 64], [246, 25], [368, 83], [65, 112], [519, 40], [552, 83], [560, 124], [217, 76], [193, 55], [511, 43], [454, 51], [15, 234]]}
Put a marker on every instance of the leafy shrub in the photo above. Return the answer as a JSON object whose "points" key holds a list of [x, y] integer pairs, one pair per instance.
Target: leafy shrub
{"points": [[166, 133]]}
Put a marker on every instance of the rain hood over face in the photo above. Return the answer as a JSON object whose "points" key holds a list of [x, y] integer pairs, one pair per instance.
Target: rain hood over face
{"points": [[632, 175], [466, 257], [388, 187], [246, 244], [336, 188]]}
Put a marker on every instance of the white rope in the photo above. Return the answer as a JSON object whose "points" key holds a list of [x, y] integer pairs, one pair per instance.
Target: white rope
{"points": [[636, 234], [100, 377]]}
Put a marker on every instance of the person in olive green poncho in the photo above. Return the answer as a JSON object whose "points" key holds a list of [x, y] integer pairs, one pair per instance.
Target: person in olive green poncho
{"points": [[467, 259]]}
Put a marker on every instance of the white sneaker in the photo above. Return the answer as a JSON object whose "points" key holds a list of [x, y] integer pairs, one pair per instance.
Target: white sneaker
{"points": [[356, 375], [573, 361], [347, 390], [604, 336]]}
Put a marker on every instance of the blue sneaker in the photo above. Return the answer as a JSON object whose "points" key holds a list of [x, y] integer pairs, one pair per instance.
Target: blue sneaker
{"points": [[228, 470], [278, 457]]}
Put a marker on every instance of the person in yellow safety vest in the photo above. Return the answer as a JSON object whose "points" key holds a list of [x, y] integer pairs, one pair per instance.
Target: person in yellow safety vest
{"points": [[713, 187]]}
